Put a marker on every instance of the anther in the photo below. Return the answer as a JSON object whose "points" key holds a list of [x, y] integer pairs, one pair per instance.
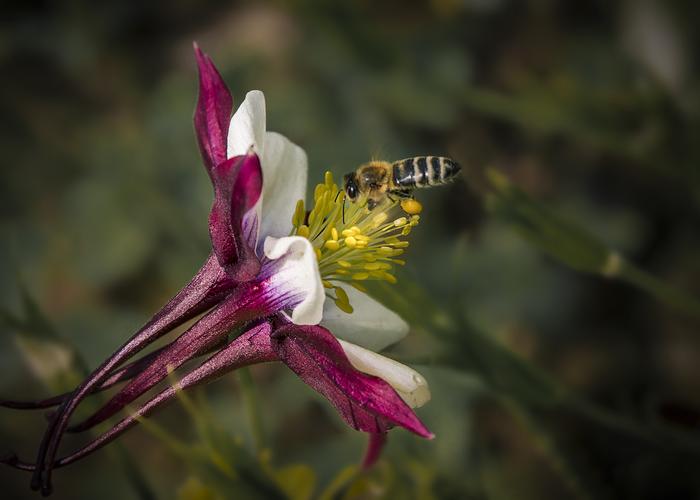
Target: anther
{"points": [[375, 266], [341, 295], [332, 245], [411, 206], [390, 278]]}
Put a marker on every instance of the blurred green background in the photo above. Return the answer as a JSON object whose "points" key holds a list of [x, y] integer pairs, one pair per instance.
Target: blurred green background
{"points": [[552, 292]]}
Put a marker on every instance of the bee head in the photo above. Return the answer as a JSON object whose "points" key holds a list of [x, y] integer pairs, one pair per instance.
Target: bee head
{"points": [[350, 186]]}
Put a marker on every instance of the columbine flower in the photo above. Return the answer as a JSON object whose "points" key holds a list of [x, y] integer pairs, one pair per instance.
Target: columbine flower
{"points": [[269, 275]]}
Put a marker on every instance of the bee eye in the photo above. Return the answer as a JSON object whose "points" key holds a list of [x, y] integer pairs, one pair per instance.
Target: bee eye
{"points": [[351, 192]]}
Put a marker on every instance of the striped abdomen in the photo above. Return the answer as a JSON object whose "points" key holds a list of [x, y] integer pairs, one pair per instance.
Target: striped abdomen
{"points": [[423, 171]]}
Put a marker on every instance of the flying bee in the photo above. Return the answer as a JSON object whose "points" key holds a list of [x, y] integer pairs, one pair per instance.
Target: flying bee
{"points": [[381, 179]]}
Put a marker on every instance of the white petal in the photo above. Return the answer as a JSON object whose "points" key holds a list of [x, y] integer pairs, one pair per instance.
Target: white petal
{"points": [[296, 275], [408, 383], [370, 325], [247, 127], [284, 166]]}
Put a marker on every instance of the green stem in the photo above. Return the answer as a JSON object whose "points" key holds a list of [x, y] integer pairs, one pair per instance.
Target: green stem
{"points": [[252, 404], [665, 293]]}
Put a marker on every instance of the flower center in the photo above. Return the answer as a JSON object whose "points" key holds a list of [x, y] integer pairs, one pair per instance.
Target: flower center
{"points": [[352, 243]]}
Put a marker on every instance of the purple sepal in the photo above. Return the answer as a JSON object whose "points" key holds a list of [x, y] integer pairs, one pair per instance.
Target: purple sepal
{"points": [[237, 187], [213, 112], [122, 374], [207, 288], [367, 403], [242, 305], [250, 348], [374, 449]]}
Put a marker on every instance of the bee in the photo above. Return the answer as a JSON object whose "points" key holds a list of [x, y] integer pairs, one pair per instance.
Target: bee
{"points": [[381, 179]]}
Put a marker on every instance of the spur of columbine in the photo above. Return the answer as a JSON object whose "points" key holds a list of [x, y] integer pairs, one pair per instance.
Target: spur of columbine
{"points": [[277, 282]]}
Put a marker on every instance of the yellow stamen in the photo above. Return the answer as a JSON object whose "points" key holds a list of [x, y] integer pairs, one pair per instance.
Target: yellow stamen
{"points": [[389, 277], [352, 243], [379, 219], [374, 266], [332, 245], [299, 214], [411, 206], [359, 287], [344, 306]]}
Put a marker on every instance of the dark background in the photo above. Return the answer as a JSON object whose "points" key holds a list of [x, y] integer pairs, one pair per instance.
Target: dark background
{"points": [[557, 369]]}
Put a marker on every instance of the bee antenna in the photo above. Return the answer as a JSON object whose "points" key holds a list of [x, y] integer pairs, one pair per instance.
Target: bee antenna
{"points": [[344, 200]]}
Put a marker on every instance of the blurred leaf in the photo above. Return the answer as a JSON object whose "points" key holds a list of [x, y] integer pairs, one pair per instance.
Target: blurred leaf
{"points": [[572, 245], [465, 348], [57, 364], [297, 481], [194, 489], [577, 481], [252, 404], [50, 362], [341, 481], [50, 358], [378, 482]]}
